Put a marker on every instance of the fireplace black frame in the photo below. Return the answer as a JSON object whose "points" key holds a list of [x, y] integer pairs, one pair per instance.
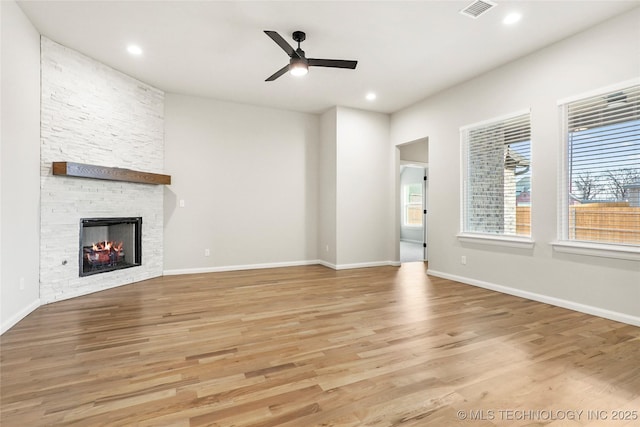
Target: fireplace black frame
{"points": [[97, 222]]}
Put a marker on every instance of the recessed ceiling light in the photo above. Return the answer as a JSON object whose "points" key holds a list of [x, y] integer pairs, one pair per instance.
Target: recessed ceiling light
{"points": [[371, 96], [134, 50], [512, 18]]}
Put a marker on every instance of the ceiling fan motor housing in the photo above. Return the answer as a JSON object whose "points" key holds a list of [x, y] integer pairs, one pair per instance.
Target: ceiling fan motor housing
{"points": [[299, 62], [299, 36]]}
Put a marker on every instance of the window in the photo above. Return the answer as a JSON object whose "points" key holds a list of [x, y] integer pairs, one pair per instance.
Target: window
{"points": [[413, 205], [496, 157], [601, 176]]}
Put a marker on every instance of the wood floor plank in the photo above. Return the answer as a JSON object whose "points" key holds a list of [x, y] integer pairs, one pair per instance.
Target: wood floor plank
{"points": [[309, 346]]}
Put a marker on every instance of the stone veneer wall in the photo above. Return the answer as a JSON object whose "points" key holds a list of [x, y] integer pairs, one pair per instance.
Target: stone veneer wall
{"points": [[91, 113], [486, 181]]}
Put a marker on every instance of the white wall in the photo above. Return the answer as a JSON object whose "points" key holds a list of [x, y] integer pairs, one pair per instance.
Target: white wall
{"points": [[327, 191], [604, 55], [20, 165], [416, 151], [364, 179], [249, 180]]}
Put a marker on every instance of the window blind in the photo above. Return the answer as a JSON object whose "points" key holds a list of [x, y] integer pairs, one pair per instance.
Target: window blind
{"points": [[602, 171], [497, 176]]}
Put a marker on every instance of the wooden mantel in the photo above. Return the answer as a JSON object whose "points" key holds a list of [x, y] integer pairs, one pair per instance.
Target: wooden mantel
{"points": [[81, 170]]}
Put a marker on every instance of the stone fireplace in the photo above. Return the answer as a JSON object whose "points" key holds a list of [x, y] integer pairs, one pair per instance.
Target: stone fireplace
{"points": [[93, 114]]}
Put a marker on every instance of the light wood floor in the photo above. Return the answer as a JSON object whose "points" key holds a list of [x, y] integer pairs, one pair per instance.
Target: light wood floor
{"points": [[309, 346]]}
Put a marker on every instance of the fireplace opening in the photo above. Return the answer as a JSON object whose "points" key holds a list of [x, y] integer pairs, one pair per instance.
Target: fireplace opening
{"points": [[108, 244]]}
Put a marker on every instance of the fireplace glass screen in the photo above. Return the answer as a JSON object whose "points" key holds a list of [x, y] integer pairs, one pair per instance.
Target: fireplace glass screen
{"points": [[108, 244]]}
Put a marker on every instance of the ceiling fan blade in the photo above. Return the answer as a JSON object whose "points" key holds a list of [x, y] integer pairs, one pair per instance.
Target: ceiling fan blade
{"points": [[334, 63], [278, 73], [282, 43]]}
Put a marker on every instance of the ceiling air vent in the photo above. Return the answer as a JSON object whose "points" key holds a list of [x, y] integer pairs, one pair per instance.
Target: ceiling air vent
{"points": [[477, 8]]}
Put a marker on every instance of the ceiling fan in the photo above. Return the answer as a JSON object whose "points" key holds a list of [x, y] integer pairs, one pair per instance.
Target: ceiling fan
{"points": [[298, 63]]}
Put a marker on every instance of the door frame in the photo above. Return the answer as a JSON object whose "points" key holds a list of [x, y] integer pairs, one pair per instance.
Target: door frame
{"points": [[425, 171], [396, 205]]}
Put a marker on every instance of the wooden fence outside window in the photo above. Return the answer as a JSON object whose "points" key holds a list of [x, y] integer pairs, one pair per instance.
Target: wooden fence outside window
{"points": [[594, 222]]}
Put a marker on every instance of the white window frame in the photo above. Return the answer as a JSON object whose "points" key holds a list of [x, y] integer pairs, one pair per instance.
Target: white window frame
{"points": [[563, 244], [405, 206], [504, 240]]}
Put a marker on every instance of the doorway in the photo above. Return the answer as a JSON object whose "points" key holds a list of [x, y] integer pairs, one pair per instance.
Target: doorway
{"points": [[413, 191], [413, 217]]}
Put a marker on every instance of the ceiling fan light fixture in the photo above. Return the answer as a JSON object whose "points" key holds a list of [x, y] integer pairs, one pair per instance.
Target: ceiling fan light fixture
{"points": [[298, 67]]}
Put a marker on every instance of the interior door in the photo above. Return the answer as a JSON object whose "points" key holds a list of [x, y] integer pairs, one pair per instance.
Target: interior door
{"points": [[425, 203]]}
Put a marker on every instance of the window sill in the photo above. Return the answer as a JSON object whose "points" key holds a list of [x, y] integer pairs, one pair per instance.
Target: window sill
{"points": [[631, 253], [505, 241]]}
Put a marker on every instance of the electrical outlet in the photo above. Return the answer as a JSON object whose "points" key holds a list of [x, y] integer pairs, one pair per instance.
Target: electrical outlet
{"points": [[207, 252], [22, 283], [463, 260], [181, 203], [326, 248]]}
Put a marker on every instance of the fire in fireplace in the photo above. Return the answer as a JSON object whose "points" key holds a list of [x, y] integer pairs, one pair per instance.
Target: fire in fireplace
{"points": [[108, 244]]}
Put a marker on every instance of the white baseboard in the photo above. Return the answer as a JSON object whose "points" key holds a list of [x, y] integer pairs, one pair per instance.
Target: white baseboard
{"points": [[11, 322], [279, 265], [238, 267], [359, 264], [327, 264], [571, 305]]}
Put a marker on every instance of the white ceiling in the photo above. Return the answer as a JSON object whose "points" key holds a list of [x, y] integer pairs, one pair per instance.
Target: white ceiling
{"points": [[406, 50]]}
